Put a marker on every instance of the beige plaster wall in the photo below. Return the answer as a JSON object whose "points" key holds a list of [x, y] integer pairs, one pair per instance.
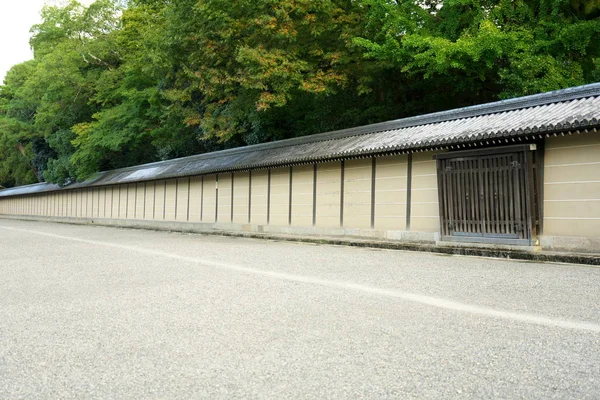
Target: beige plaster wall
{"points": [[258, 213], [425, 213], [280, 196], [390, 192], [572, 186], [129, 207], [224, 197], [241, 193], [160, 212], [182, 198], [138, 201], [302, 195], [329, 178], [195, 198], [209, 198], [357, 193], [149, 209], [170, 199]]}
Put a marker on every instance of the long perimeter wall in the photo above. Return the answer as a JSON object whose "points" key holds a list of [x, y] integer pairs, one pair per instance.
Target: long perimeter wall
{"points": [[391, 197]]}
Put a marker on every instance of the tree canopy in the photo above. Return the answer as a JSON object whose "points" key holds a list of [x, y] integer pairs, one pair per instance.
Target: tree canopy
{"points": [[121, 83]]}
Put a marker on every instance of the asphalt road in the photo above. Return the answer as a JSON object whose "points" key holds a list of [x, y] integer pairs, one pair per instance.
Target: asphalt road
{"points": [[94, 312]]}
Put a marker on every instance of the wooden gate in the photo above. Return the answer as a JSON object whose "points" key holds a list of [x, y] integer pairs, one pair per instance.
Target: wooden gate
{"points": [[487, 195]]}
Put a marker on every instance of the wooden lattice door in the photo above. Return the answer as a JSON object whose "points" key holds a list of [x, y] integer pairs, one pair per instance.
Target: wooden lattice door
{"points": [[486, 195]]}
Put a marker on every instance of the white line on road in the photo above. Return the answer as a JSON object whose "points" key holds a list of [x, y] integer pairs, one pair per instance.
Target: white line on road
{"points": [[412, 297]]}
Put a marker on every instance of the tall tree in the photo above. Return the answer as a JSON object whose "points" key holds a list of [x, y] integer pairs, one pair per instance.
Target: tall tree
{"points": [[121, 82], [480, 50]]}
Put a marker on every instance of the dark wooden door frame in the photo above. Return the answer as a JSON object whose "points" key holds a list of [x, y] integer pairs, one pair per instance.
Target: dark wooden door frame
{"points": [[476, 218]]}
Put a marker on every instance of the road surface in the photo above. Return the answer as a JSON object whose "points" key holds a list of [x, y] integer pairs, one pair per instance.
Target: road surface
{"points": [[96, 312]]}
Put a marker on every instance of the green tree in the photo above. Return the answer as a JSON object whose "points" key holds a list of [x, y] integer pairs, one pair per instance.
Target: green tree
{"points": [[479, 50], [120, 82]]}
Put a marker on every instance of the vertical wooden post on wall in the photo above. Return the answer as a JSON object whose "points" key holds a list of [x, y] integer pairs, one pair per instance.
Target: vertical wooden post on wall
{"points": [[529, 191], [314, 199], [373, 181], [216, 197], [268, 196], [176, 198], [92, 213], [154, 201], [188, 198], [135, 193], [145, 193], [126, 201], [441, 200], [232, 187], [539, 166], [408, 190], [119, 202], [249, 196], [290, 197], [165, 200], [202, 198], [342, 170]]}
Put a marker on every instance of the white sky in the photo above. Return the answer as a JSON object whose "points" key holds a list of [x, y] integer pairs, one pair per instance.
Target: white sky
{"points": [[16, 18]]}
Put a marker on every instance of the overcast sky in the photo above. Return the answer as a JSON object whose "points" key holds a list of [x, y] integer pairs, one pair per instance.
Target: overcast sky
{"points": [[16, 18]]}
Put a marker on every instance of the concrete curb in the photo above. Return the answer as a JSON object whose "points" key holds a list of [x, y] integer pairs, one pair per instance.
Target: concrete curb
{"points": [[585, 259], [534, 256]]}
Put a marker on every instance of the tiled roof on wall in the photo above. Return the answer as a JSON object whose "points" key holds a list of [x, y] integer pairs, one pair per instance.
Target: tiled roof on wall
{"points": [[573, 109]]}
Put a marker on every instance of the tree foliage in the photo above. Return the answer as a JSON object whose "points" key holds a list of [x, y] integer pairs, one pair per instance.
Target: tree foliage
{"points": [[120, 83]]}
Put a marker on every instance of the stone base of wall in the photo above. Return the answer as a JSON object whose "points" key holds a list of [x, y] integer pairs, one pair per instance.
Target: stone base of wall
{"points": [[197, 227], [490, 246], [578, 244]]}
